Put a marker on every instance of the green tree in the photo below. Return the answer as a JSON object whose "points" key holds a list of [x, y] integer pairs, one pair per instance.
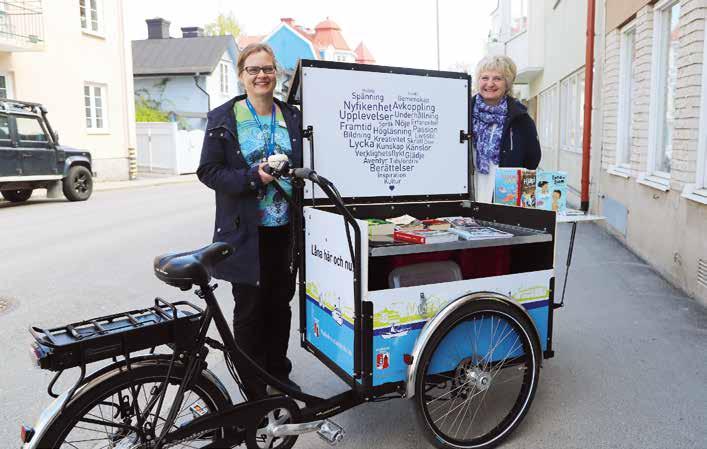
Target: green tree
{"points": [[225, 23], [147, 111]]}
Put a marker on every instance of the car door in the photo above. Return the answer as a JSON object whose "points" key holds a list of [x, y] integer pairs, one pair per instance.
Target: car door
{"points": [[37, 154], [9, 154]]}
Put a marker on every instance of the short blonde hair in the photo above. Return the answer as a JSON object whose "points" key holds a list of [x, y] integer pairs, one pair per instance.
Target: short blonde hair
{"points": [[497, 63], [252, 49]]}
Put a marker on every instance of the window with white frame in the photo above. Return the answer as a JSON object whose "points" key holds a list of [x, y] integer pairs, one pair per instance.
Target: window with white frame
{"points": [[572, 111], [90, 18], [548, 117], [95, 106], [223, 70], [701, 175], [625, 116], [666, 32], [3, 86], [519, 16]]}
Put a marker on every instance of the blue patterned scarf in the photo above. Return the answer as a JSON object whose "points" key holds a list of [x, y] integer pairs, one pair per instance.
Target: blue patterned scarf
{"points": [[487, 137]]}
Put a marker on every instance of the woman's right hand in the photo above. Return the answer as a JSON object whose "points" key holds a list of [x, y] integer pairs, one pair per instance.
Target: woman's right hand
{"points": [[264, 177]]}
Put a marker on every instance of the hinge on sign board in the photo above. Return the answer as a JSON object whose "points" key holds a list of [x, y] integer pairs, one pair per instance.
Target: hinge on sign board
{"points": [[464, 136], [307, 132]]}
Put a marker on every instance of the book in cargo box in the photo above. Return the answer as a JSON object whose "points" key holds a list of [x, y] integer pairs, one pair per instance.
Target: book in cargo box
{"points": [[507, 186], [379, 227], [551, 190], [527, 185], [424, 236]]}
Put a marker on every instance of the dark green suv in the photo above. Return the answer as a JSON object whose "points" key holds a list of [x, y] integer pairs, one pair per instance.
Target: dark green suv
{"points": [[31, 157]]}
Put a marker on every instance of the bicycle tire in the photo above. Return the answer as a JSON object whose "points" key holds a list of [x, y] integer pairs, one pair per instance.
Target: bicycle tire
{"points": [[212, 397], [455, 378]]}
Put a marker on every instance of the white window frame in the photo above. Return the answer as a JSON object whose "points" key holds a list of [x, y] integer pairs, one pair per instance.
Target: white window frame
{"points": [[524, 7], [9, 86], [570, 111], [94, 129], [698, 191], [653, 177], [223, 77], [624, 116], [88, 29]]}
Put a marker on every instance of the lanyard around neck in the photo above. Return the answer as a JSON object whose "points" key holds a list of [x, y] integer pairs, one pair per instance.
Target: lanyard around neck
{"points": [[271, 144]]}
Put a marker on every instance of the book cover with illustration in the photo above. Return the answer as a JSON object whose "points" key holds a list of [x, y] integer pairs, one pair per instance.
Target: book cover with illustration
{"points": [[528, 182], [507, 189], [551, 190]]}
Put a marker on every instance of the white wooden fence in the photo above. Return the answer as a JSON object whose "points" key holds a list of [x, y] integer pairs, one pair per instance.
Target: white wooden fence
{"points": [[162, 148]]}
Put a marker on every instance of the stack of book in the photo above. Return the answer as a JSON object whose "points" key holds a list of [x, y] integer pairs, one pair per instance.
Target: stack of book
{"points": [[468, 229]]}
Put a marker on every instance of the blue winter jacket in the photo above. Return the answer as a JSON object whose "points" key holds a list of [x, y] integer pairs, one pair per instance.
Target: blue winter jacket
{"points": [[224, 169], [520, 146]]}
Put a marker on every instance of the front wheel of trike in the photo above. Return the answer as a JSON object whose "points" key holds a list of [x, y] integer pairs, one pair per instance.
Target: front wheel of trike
{"points": [[477, 375]]}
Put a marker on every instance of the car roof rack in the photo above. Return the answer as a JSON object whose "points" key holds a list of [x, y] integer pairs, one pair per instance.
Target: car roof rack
{"points": [[21, 107]]}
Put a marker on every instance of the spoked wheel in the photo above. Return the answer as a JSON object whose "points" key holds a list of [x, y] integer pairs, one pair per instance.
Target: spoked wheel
{"points": [[263, 437], [113, 414], [477, 375]]}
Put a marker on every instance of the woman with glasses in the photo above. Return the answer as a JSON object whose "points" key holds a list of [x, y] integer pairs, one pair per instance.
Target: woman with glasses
{"points": [[252, 214]]}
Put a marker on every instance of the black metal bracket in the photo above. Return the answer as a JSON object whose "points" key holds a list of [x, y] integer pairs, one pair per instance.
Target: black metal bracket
{"points": [[307, 132], [464, 136]]}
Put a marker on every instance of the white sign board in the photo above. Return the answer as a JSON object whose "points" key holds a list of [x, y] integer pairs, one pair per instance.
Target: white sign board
{"points": [[380, 134]]}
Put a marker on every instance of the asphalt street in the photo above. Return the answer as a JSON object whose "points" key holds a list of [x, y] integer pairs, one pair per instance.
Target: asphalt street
{"points": [[631, 351]]}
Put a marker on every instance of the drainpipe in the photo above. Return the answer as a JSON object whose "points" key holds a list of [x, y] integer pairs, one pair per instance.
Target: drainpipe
{"points": [[208, 97], [588, 89]]}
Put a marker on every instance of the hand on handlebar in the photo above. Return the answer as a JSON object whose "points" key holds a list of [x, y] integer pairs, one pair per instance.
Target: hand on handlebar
{"points": [[265, 177]]}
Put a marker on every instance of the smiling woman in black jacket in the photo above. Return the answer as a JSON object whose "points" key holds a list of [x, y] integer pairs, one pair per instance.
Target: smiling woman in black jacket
{"points": [[504, 133], [252, 215]]}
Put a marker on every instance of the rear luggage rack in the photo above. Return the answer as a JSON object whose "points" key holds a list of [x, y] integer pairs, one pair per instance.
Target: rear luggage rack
{"points": [[109, 336]]}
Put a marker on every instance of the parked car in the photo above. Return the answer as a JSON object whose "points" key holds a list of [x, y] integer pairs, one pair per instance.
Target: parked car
{"points": [[31, 157]]}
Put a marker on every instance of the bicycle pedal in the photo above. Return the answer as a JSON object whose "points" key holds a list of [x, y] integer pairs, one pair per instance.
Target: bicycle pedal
{"points": [[331, 432]]}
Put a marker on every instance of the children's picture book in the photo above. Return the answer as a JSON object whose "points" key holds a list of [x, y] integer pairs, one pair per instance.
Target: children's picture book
{"points": [[461, 222], [551, 190], [480, 233], [379, 227], [508, 186], [424, 236], [528, 182]]}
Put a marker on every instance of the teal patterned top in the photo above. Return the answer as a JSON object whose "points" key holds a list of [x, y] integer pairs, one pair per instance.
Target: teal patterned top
{"points": [[272, 207]]}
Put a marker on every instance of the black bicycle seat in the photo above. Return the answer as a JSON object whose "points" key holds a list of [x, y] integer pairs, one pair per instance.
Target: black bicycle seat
{"points": [[190, 268]]}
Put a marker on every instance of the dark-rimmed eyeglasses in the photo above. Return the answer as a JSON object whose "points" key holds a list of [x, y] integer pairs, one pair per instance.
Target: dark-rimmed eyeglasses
{"points": [[255, 69]]}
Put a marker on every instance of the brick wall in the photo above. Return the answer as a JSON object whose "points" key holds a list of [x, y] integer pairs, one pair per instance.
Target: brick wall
{"points": [[610, 97], [642, 89], [687, 93]]}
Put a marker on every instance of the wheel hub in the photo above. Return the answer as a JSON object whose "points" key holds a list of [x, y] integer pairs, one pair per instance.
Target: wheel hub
{"points": [[478, 378]]}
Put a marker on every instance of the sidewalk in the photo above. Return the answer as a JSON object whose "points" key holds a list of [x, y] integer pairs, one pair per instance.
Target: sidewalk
{"points": [[143, 181]]}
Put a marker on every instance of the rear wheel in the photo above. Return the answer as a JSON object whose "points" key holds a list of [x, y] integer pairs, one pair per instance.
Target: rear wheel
{"points": [[477, 376], [17, 196], [78, 184], [94, 418]]}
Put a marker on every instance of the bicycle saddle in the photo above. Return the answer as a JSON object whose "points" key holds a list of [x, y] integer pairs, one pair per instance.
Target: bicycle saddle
{"points": [[190, 268]]}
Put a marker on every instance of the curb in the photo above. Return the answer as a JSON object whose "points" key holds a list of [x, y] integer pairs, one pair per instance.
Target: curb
{"points": [[121, 185]]}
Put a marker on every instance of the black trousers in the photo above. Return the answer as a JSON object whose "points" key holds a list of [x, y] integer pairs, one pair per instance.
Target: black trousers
{"points": [[262, 314]]}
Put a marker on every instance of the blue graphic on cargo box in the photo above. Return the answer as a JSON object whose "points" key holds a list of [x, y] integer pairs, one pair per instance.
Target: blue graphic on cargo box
{"points": [[331, 334]]}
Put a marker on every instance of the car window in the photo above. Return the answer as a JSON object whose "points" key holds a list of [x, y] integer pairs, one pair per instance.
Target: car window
{"points": [[29, 129], [4, 127]]}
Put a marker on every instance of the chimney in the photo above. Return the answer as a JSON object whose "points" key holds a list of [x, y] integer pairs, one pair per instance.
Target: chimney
{"points": [[157, 28], [192, 32], [288, 20]]}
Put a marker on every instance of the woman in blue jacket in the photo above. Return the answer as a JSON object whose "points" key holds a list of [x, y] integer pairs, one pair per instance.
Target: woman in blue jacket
{"points": [[252, 215], [504, 135]]}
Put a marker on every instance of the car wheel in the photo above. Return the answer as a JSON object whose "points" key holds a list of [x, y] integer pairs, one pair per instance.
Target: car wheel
{"points": [[17, 196], [78, 185]]}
